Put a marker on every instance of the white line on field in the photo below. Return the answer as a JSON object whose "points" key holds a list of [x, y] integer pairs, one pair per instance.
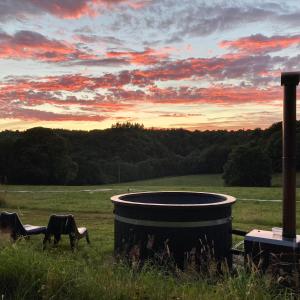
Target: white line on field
{"points": [[70, 191], [107, 190], [59, 191], [259, 200]]}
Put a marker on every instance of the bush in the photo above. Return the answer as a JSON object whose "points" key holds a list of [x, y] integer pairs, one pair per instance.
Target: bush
{"points": [[248, 166]]}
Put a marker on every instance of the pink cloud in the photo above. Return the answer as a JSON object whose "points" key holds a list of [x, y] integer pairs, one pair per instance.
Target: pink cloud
{"points": [[23, 98], [50, 89], [260, 44], [33, 45], [27, 106], [27, 114], [218, 68], [66, 9], [147, 57], [69, 83], [217, 95]]}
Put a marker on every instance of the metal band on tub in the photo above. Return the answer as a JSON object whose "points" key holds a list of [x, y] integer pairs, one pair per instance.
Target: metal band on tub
{"points": [[172, 224]]}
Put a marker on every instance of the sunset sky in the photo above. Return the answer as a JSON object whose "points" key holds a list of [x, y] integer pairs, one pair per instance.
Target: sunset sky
{"points": [[87, 64]]}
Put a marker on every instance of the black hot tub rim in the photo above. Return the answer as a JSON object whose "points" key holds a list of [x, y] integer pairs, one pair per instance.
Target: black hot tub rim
{"points": [[215, 199]]}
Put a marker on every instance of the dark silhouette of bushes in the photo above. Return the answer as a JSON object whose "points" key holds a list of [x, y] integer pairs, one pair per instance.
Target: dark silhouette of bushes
{"points": [[125, 152], [248, 165]]}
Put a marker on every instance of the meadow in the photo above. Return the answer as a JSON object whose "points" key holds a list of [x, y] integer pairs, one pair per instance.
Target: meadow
{"points": [[28, 272]]}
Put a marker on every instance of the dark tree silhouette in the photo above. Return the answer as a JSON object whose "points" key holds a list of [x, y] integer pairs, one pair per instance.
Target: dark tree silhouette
{"points": [[40, 156], [248, 165], [126, 152]]}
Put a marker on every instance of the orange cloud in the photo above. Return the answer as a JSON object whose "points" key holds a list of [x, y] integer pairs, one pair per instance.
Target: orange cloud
{"points": [[66, 9], [218, 68], [259, 43], [218, 95], [113, 90], [39, 115], [23, 99], [27, 106], [69, 83], [147, 57], [178, 70], [33, 45]]}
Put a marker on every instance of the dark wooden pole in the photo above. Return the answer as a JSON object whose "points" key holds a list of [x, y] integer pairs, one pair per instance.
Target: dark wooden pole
{"points": [[289, 81]]}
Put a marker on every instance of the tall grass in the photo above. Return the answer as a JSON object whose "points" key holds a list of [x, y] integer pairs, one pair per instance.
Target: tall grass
{"points": [[26, 272]]}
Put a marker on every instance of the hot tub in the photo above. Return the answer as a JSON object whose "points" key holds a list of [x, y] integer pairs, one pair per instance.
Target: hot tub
{"points": [[172, 225]]}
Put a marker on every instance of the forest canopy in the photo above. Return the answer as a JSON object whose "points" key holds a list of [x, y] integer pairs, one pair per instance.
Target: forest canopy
{"points": [[125, 152]]}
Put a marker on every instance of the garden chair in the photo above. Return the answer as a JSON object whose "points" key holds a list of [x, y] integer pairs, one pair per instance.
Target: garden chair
{"points": [[11, 223], [65, 224]]}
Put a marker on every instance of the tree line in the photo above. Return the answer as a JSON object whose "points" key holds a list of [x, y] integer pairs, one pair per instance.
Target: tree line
{"points": [[127, 152]]}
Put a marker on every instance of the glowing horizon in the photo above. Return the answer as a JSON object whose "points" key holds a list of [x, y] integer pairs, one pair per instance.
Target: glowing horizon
{"points": [[164, 64]]}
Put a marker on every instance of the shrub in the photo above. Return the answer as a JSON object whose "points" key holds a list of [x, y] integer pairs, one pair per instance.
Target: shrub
{"points": [[248, 165]]}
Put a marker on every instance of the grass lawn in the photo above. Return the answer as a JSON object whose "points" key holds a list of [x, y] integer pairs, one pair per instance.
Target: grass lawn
{"points": [[27, 272]]}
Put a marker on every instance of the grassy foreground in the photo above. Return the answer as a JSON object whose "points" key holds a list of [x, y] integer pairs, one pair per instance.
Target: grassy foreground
{"points": [[27, 272]]}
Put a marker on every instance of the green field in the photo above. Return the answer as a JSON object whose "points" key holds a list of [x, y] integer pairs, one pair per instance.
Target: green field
{"points": [[27, 272]]}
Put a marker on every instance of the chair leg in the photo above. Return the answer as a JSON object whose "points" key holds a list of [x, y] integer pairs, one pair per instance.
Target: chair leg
{"points": [[87, 237], [13, 236], [72, 242], [57, 238], [45, 240]]}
